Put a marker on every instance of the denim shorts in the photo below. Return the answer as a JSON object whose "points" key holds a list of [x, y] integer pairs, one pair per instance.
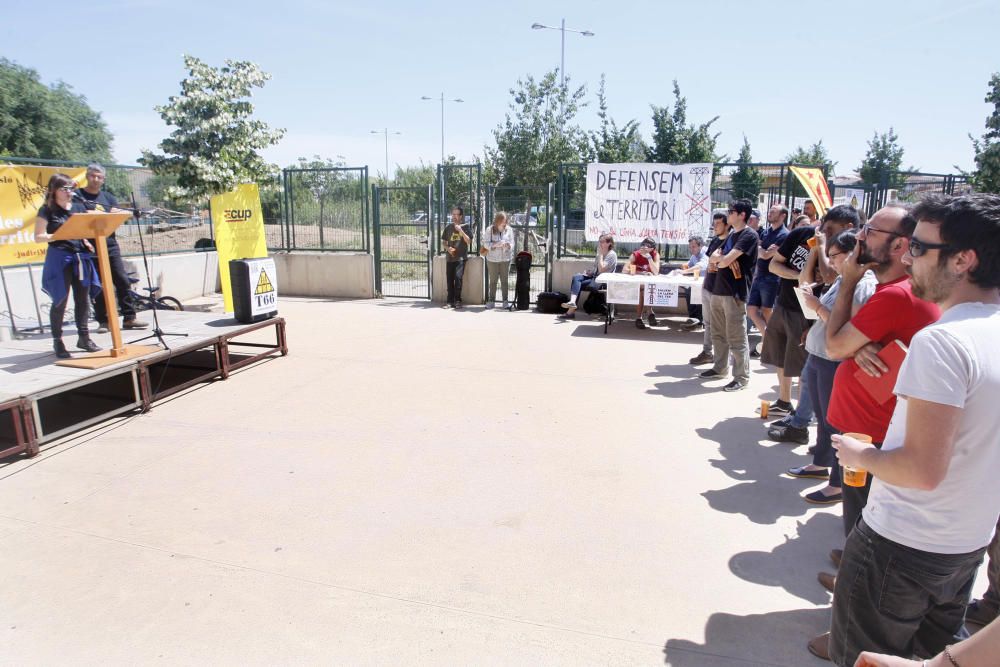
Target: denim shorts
{"points": [[763, 291]]}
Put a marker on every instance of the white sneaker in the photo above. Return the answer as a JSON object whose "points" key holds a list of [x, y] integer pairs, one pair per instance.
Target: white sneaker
{"points": [[103, 328], [569, 304]]}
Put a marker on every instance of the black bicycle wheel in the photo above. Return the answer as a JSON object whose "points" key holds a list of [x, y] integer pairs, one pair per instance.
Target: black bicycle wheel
{"points": [[168, 303]]}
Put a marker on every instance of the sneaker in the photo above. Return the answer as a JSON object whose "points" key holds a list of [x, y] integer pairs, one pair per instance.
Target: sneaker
{"points": [[754, 353], [458, 305], [102, 327], [980, 612], [506, 306], [87, 345], [489, 305], [711, 373], [735, 385], [703, 358], [448, 305], [135, 324], [779, 407], [784, 421], [639, 324], [696, 326], [569, 304], [788, 433], [653, 322], [60, 348], [820, 646], [804, 472]]}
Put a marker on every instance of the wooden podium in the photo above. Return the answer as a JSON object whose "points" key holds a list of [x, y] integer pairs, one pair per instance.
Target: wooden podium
{"points": [[99, 226]]}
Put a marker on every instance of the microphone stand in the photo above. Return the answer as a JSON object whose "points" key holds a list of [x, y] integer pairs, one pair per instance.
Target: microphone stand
{"points": [[157, 332]]}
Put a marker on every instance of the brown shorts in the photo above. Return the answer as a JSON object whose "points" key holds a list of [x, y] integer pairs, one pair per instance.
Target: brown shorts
{"points": [[784, 342]]}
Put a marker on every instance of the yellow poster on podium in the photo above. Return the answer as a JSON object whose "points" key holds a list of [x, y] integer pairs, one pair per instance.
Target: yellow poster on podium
{"points": [[239, 231], [22, 193]]}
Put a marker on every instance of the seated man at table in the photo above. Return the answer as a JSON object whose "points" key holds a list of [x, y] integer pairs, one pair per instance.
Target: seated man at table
{"points": [[696, 265], [644, 261]]}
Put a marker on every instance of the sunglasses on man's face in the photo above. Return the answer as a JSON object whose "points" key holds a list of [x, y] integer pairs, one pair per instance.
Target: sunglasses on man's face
{"points": [[919, 248]]}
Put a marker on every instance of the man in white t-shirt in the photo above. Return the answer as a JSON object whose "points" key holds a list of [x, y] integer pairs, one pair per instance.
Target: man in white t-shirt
{"points": [[910, 562]]}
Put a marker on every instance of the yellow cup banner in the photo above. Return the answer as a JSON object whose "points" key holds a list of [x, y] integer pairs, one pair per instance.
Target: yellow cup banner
{"points": [[814, 182], [22, 193], [239, 231]]}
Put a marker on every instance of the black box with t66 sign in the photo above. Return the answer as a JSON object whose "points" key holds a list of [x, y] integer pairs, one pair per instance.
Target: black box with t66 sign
{"points": [[255, 289]]}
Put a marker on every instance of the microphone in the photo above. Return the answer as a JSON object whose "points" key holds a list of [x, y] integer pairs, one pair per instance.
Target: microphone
{"points": [[90, 206]]}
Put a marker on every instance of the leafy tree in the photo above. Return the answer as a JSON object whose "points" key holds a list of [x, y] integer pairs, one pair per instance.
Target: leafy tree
{"points": [[813, 156], [883, 163], [746, 181], [612, 143], [537, 134], [214, 146], [986, 177], [48, 122], [677, 141]]}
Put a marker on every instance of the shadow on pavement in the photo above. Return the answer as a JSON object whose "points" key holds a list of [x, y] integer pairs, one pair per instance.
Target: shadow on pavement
{"points": [[777, 638], [766, 495], [793, 564]]}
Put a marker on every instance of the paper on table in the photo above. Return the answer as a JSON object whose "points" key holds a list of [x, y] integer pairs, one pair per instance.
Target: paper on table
{"points": [[806, 310]]}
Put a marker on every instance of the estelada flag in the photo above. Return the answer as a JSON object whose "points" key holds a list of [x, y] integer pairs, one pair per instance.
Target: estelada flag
{"points": [[813, 180]]}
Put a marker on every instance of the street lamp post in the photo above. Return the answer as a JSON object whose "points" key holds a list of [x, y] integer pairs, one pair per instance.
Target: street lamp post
{"points": [[442, 99], [562, 52], [386, 132]]}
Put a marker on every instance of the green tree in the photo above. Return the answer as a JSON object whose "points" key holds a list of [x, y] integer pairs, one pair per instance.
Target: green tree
{"points": [[883, 161], [813, 156], [986, 177], [746, 181], [214, 146], [537, 134], [49, 122], [611, 143], [677, 141]]}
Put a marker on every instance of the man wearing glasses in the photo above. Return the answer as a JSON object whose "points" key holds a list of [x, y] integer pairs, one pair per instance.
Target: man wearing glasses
{"points": [[910, 563], [894, 312]]}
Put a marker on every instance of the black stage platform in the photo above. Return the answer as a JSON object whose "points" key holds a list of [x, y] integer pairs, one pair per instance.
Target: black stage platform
{"points": [[40, 401]]}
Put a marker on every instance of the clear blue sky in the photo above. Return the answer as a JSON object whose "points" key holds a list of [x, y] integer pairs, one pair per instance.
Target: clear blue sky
{"points": [[783, 73]]}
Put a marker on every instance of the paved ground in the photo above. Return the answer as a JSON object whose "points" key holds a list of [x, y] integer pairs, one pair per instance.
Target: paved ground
{"points": [[415, 485]]}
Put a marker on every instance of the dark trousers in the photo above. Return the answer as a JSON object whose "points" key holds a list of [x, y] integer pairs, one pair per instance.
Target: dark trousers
{"points": [[119, 276], [817, 379], [897, 600], [992, 596], [453, 276], [81, 305]]}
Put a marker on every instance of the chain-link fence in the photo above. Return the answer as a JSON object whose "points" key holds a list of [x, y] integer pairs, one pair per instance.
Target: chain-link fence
{"points": [[327, 209], [529, 214]]}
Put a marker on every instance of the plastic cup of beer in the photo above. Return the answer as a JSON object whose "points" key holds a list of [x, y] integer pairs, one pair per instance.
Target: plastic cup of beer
{"points": [[763, 409], [697, 272], [856, 476], [813, 242]]}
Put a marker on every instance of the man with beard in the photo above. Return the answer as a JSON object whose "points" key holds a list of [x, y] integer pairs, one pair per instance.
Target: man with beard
{"points": [[892, 313], [910, 562]]}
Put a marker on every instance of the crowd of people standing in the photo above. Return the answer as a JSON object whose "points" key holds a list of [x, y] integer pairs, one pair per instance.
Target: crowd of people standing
{"points": [[833, 297]]}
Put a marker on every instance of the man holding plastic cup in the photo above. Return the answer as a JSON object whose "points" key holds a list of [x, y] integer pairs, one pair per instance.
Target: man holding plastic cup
{"points": [[910, 563]]}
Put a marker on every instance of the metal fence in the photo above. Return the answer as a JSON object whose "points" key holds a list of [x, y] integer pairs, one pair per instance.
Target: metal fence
{"points": [[326, 209], [402, 245], [529, 214]]}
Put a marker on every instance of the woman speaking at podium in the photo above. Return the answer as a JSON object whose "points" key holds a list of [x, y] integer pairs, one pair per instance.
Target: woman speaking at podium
{"points": [[68, 264]]}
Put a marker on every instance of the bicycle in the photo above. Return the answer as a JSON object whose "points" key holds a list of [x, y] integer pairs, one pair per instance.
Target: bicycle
{"points": [[140, 302]]}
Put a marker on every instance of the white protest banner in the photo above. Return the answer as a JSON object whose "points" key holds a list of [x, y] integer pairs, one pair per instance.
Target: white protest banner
{"points": [[665, 202]]}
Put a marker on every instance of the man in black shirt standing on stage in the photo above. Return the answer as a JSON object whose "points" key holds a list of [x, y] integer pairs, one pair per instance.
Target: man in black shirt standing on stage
{"points": [[95, 197]]}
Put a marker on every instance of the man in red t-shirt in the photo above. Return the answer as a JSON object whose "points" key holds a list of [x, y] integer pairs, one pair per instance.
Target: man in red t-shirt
{"points": [[892, 313]]}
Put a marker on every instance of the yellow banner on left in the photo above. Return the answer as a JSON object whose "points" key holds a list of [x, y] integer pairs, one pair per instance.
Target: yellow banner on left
{"points": [[22, 193], [239, 231], [813, 180]]}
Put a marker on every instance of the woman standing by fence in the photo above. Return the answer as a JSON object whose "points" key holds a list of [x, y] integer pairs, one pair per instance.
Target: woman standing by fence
{"points": [[499, 247]]}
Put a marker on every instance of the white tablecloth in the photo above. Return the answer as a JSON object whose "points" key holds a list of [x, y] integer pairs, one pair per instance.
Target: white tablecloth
{"points": [[623, 288]]}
